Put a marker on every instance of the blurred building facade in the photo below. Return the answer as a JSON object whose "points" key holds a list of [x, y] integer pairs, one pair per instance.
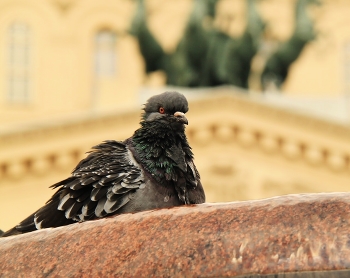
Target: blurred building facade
{"points": [[71, 73]]}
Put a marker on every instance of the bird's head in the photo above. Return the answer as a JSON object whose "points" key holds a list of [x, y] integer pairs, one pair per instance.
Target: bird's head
{"points": [[168, 108]]}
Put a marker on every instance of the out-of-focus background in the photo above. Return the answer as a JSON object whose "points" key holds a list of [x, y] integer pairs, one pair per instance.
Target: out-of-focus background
{"points": [[268, 83]]}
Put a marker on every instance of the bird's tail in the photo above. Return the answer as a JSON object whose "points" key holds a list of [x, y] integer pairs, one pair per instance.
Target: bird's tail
{"points": [[46, 217], [11, 232], [15, 231]]}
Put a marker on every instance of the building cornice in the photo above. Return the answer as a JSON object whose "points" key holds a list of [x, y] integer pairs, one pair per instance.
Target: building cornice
{"points": [[222, 117]]}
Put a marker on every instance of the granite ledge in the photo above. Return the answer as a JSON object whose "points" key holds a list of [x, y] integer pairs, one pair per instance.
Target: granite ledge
{"points": [[300, 234]]}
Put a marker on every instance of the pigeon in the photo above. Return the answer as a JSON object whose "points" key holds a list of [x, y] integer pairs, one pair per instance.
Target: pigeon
{"points": [[153, 169]]}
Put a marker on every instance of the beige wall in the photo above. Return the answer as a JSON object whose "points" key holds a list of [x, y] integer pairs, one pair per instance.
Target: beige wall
{"points": [[62, 51], [320, 70], [62, 58]]}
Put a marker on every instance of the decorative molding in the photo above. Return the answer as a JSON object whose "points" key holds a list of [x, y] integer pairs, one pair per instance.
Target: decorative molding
{"points": [[248, 135]]}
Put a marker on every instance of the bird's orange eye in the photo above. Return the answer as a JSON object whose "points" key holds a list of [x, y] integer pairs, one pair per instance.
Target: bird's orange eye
{"points": [[161, 110]]}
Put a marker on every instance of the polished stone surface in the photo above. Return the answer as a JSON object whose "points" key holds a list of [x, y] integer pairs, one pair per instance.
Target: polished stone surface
{"points": [[291, 233]]}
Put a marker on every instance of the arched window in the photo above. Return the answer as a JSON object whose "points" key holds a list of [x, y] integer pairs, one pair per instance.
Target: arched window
{"points": [[105, 53], [19, 44]]}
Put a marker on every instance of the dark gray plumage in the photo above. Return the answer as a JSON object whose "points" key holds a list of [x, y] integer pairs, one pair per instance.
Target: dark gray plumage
{"points": [[152, 169]]}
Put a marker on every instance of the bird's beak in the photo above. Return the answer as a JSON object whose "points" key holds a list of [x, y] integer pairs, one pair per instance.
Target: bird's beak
{"points": [[181, 117]]}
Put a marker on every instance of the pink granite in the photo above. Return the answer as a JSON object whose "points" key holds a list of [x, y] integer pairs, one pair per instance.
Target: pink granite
{"points": [[282, 234]]}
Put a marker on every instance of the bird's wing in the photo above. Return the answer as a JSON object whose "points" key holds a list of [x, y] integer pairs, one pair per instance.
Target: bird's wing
{"points": [[101, 184]]}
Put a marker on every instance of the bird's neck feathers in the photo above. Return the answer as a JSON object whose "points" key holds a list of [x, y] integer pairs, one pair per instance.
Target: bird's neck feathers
{"points": [[162, 150]]}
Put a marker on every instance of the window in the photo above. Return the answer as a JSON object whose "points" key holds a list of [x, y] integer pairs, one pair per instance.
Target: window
{"points": [[347, 67], [18, 63], [105, 53]]}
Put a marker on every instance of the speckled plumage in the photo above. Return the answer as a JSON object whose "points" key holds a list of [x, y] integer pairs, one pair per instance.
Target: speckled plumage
{"points": [[152, 169]]}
